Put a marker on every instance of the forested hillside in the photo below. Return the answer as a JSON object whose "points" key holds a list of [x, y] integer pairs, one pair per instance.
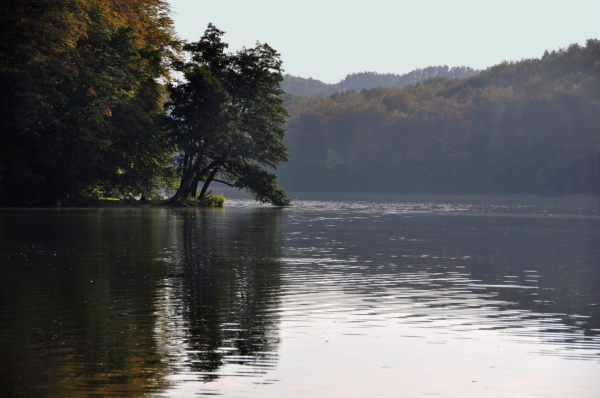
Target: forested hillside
{"points": [[531, 126], [358, 81]]}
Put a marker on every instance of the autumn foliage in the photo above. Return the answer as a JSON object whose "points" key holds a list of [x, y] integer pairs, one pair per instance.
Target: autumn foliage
{"points": [[81, 92]]}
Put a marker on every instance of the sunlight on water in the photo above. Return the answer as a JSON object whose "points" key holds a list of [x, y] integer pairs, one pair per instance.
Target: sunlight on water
{"points": [[363, 207], [357, 279], [403, 204]]}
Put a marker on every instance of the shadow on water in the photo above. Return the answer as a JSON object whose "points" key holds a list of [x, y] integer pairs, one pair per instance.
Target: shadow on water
{"points": [[99, 302]]}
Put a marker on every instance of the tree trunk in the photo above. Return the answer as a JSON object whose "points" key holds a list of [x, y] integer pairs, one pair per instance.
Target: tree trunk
{"points": [[209, 179], [193, 188], [193, 175], [184, 185], [194, 185]]}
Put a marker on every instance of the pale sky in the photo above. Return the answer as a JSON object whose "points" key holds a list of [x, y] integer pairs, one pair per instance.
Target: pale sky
{"points": [[328, 39]]}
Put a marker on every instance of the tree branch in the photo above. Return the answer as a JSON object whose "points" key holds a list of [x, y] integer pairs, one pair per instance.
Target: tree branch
{"points": [[223, 182]]}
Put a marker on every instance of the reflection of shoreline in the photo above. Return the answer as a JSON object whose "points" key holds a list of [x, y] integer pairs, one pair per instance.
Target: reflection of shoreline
{"points": [[184, 296], [220, 305], [80, 296]]}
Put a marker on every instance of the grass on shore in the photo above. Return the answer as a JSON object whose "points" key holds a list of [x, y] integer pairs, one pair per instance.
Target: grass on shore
{"points": [[206, 201]]}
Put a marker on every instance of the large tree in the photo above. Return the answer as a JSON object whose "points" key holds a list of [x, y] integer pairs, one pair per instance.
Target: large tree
{"points": [[226, 120], [81, 96]]}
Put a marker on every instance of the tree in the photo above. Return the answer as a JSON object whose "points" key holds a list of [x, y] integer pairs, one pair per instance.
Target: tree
{"points": [[82, 95], [226, 120]]}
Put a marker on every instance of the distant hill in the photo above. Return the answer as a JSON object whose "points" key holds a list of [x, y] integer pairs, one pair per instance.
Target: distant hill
{"points": [[531, 126], [366, 80]]}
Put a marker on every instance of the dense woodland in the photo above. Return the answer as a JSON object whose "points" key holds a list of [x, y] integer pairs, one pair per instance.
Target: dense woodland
{"points": [[531, 126], [90, 111], [82, 96], [358, 81]]}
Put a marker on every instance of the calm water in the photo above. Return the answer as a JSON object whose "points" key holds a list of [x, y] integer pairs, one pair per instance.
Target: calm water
{"points": [[340, 296]]}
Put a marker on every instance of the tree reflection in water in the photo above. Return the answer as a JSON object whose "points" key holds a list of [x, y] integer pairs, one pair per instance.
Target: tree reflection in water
{"points": [[78, 296], [89, 306], [223, 291]]}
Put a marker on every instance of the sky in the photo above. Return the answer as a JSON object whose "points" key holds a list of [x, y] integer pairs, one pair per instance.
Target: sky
{"points": [[329, 39]]}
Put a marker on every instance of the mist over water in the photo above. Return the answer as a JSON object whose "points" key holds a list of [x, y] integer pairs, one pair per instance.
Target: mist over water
{"points": [[340, 295]]}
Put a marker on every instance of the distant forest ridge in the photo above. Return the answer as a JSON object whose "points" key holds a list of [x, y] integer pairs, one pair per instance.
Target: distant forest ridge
{"points": [[525, 127], [366, 80]]}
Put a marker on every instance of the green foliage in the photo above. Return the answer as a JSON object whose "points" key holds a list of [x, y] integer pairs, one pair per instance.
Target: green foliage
{"points": [[208, 200], [520, 127], [212, 201], [81, 98], [226, 119]]}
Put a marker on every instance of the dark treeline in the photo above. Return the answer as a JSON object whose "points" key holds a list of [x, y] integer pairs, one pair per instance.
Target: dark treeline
{"points": [[358, 81], [89, 109], [531, 126], [81, 98]]}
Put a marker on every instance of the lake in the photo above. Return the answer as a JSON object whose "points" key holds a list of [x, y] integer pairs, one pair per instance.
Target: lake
{"points": [[342, 295]]}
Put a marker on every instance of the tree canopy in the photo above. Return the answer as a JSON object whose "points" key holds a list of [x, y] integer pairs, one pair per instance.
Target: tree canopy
{"points": [[226, 119], [81, 96]]}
